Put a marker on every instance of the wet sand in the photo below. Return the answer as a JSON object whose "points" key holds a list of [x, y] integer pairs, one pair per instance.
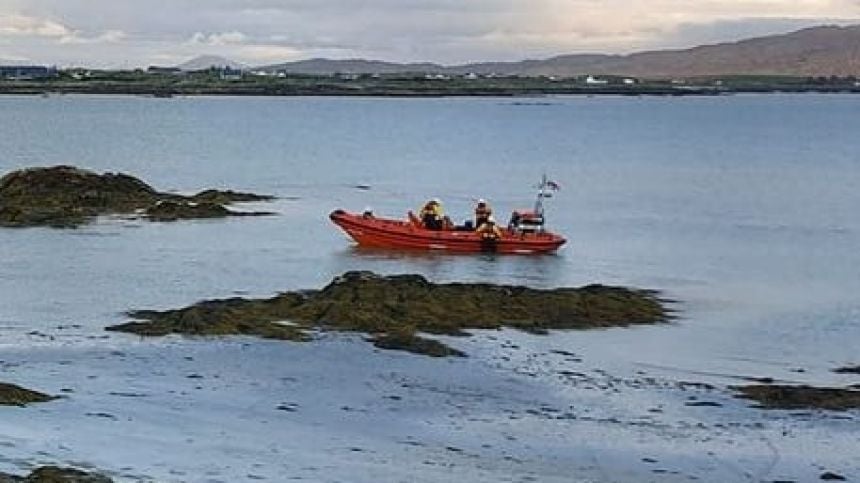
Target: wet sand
{"points": [[522, 408]]}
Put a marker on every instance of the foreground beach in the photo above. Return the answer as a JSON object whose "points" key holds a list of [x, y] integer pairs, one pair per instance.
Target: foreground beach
{"points": [[521, 408]]}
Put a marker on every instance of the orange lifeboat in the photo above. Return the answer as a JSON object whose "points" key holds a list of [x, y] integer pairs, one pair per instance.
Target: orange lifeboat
{"points": [[525, 233], [370, 231]]}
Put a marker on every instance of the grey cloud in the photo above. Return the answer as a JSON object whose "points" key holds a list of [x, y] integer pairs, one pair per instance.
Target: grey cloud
{"points": [[448, 31]]}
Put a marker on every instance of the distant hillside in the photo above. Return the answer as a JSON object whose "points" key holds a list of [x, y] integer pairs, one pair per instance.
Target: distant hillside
{"points": [[351, 66], [817, 51], [810, 52], [207, 61]]}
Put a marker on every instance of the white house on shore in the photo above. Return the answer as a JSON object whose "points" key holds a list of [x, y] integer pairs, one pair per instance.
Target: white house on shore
{"points": [[595, 81]]}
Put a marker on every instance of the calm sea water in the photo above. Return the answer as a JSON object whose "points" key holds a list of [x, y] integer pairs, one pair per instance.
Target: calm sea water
{"points": [[744, 206], [744, 209]]}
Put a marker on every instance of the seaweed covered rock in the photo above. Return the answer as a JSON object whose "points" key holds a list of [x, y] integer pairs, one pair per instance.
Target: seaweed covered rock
{"points": [[65, 196], [394, 309], [368, 302], [173, 210], [169, 210], [236, 316], [228, 197], [801, 397], [406, 339], [55, 474], [12, 395]]}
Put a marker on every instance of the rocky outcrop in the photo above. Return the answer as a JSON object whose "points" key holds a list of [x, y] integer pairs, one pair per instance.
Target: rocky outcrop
{"points": [[65, 196], [228, 197], [55, 474], [801, 397], [12, 395], [395, 309], [169, 210]]}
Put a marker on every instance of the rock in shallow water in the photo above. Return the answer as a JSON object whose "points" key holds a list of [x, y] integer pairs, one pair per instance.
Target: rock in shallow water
{"points": [[394, 309], [831, 476], [65, 196], [55, 474], [12, 395], [801, 397], [177, 210]]}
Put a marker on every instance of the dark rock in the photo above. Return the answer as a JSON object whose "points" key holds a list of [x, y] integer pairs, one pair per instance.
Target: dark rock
{"points": [[12, 395], [55, 474], [761, 380], [102, 415], [830, 476], [127, 394], [65, 197], [847, 370], [695, 385], [221, 317], [396, 308], [409, 342], [288, 407], [572, 374], [703, 404], [168, 210], [228, 197], [801, 397]]}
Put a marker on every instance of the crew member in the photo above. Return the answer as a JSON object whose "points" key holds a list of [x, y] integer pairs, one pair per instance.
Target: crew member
{"points": [[489, 231], [482, 213], [432, 216]]}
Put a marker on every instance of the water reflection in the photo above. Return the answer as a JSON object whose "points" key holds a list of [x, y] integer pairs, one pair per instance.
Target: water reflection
{"points": [[534, 270]]}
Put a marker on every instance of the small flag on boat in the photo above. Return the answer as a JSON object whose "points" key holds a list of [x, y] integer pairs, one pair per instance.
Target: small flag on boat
{"points": [[553, 185]]}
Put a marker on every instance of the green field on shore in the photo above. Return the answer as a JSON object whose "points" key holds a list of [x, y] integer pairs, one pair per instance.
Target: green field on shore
{"points": [[213, 82]]}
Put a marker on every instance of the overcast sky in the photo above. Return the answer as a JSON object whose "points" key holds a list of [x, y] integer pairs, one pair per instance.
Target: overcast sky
{"points": [[127, 33]]}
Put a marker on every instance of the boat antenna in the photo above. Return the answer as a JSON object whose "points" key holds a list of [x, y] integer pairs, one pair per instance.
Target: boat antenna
{"points": [[542, 193], [545, 189]]}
